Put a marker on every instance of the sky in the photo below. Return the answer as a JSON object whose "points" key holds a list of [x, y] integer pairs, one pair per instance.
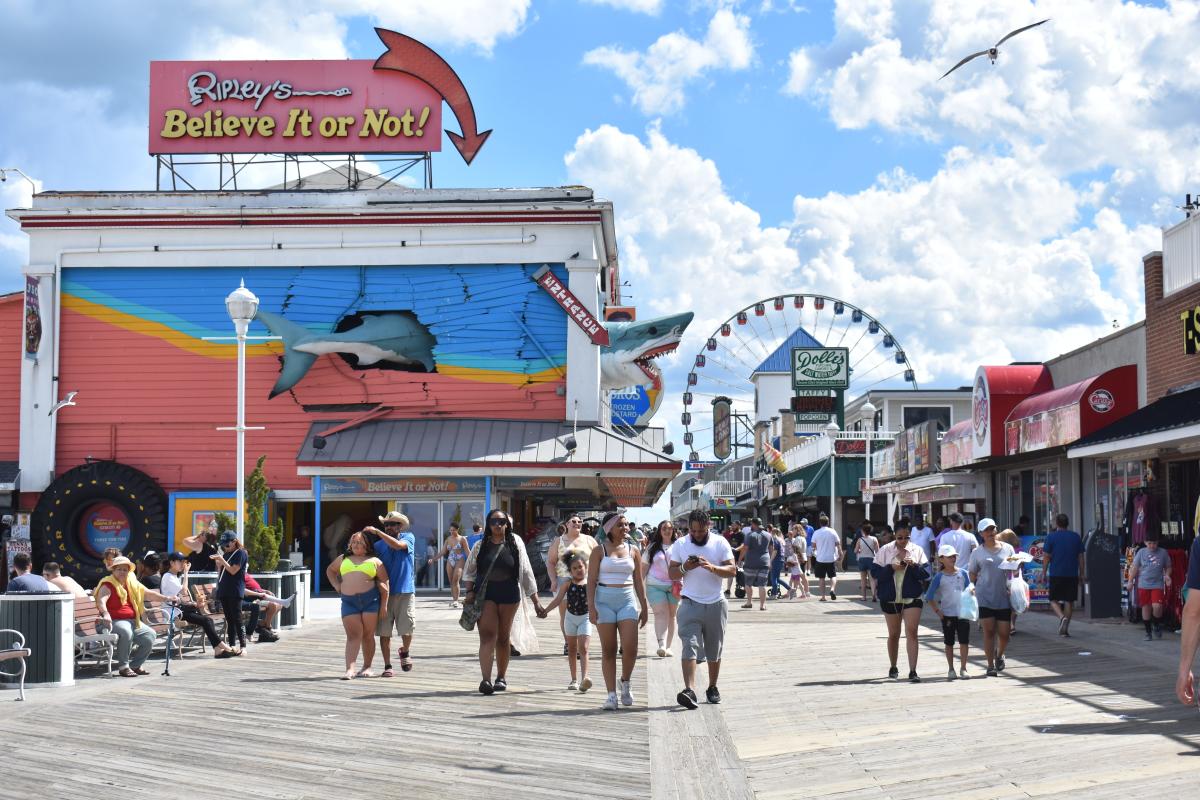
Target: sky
{"points": [[750, 148]]}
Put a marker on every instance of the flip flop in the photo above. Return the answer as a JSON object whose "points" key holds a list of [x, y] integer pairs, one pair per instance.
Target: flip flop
{"points": [[126, 672], [141, 671], [406, 662], [365, 673], [349, 676], [388, 673]]}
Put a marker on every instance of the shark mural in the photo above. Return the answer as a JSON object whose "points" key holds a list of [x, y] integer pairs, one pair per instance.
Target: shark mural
{"points": [[391, 336], [627, 369]]}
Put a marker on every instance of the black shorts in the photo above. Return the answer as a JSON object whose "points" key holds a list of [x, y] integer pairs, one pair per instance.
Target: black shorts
{"points": [[503, 592], [956, 627], [1064, 590], [825, 570], [998, 614], [888, 607]]}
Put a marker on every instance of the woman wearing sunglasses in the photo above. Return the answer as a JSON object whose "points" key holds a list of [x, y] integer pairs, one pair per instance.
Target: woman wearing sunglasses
{"points": [[901, 572], [498, 568], [572, 540]]}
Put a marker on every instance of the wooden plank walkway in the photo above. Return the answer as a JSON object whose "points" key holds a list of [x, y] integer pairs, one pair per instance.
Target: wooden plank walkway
{"points": [[279, 724], [806, 714], [812, 716]]}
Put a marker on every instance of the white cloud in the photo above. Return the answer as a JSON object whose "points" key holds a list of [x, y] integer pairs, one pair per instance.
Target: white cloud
{"points": [[652, 7], [475, 23], [800, 72], [1103, 85], [659, 76], [989, 260]]}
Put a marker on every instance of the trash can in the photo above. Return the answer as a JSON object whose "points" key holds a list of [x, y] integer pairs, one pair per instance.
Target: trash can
{"points": [[290, 587], [48, 623]]}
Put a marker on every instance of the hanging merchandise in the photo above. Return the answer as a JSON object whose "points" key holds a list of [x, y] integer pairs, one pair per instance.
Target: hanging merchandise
{"points": [[1141, 515]]}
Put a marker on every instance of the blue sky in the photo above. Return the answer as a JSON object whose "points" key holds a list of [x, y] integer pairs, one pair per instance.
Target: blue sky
{"points": [[750, 147]]}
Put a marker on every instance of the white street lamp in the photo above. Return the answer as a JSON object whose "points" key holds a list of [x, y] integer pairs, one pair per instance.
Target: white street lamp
{"points": [[868, 417], [831, 431], [242, 305]]}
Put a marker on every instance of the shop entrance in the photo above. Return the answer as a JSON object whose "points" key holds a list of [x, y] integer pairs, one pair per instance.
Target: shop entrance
{"points": [[431, 521]]}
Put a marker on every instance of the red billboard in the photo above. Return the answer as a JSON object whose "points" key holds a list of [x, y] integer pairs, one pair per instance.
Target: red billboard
{"points": [[290, 107]]}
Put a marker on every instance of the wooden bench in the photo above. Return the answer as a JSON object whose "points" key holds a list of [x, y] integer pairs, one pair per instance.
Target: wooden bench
{"points": [[15, 652], [211, 608], [89, 641], [155, 615]]}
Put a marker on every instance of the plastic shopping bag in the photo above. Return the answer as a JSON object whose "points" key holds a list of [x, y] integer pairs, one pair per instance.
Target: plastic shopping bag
{"points": [[1018, 594], [968, 607]]}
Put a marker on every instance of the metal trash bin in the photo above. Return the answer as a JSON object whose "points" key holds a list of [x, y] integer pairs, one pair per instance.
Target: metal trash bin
{"points": [[290, 585], [270, 582], [48, 623]]}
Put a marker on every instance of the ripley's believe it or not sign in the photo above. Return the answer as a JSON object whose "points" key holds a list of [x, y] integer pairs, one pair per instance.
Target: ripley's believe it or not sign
{"points": [[390, 105]]}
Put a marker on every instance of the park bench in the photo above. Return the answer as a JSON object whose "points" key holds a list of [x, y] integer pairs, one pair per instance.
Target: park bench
{"points": [[211, 608], [155, 615], [17, 651], [91, 643]]}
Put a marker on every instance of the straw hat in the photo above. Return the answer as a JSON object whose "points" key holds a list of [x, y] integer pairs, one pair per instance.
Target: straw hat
{"points": [[120, 561], [395, 516]]}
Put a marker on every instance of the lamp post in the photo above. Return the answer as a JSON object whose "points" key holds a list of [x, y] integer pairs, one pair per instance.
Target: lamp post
{"points": [[831, 430], [868, 418], [242, 305]]}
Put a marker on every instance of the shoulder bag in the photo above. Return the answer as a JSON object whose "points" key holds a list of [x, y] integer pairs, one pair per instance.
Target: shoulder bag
{"points": [[472, 611]]}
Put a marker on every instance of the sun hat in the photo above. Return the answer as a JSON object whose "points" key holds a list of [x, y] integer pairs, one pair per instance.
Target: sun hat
{"points": [[985, 523], [395, 516], [947, 550], [120, 561]]}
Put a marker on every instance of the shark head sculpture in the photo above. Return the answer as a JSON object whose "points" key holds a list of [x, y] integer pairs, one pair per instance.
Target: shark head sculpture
{"points": [[628, 358], [390, 336]]}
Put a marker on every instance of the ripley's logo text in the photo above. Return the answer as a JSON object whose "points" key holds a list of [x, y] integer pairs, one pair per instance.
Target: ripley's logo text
{"points": [[205, 85]]}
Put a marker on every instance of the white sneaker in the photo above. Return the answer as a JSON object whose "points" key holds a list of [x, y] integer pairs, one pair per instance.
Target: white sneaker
{"points": [[662, 651], [669, 653], [626, 691], [951, 675], [610, 703], [573, 686], [963, 674], [584, 685]]}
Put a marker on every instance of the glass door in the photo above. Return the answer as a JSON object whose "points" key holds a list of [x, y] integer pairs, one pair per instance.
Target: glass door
{"points": [[425, 517]]}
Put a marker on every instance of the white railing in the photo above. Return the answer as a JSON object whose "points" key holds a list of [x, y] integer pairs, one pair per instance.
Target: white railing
{"points": [[1181, 255], [817, 448], [726, 488]]}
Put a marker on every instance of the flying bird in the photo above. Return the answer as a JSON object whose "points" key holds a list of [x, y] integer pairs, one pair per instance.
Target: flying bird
{"points": [[994, 51], [69, 400]]}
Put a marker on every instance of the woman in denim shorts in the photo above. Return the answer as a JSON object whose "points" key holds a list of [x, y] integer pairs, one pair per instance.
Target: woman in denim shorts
{"points": [[615, 588]]}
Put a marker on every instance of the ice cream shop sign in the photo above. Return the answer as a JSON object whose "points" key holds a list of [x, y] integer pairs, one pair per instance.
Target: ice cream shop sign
{"points": [[390, 105]]}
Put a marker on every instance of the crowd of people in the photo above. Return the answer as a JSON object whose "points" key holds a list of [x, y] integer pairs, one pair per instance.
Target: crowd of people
{"points": [[121, 595], [609, 578]]}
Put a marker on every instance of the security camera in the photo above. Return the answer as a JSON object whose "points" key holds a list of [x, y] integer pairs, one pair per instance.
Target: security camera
{"points": [[318, 442], [570, 444]]}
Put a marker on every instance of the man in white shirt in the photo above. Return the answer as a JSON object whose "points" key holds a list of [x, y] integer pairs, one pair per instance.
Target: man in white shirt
{"points": [[701, 561], [826, 553], [964, 543], [922, 536]]}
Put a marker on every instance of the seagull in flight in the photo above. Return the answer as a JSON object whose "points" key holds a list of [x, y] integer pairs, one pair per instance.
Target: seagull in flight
{"points": [[69, 400], [993, 51]]}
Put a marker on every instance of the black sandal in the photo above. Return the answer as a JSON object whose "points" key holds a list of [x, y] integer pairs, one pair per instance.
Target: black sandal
{"points": [[485, 687], [500, 685]]}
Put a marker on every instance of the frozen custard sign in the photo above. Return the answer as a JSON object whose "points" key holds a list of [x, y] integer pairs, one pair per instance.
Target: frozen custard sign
{"points": [[820, 367], [390, 105]]}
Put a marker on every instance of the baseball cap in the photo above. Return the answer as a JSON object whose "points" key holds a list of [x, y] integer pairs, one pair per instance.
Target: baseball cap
{"points": [[947, 550], [228, 536], [985, 523], [804, 520], [175, 555]]}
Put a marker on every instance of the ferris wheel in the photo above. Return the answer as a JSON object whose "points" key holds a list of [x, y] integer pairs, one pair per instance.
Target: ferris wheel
{"points": [[759, 339]]}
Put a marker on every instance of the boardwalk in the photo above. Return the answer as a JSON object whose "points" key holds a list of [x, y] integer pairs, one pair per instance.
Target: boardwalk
{"points": [[805, 716]]}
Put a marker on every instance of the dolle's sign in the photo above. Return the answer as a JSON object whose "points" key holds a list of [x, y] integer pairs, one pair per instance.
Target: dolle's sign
{"points": [[820, 367], [390, 105]]}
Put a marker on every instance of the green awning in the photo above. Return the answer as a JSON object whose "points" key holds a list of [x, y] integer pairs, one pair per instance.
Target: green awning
{"points": [[849, 472]]}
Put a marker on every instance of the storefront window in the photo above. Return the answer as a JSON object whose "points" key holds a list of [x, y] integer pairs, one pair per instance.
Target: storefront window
{"points": [[1046, 499]]}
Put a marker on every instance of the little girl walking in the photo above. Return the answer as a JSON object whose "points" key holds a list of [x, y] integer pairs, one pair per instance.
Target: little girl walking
{"points": [[945, 596], [576, 626]]}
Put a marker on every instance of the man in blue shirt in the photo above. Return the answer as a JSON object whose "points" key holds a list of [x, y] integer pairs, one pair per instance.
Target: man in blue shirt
{"points": [[1064, 564], [395, 549], [26, 581]]}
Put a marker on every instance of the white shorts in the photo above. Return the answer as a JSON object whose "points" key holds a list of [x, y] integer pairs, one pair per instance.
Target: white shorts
{"points": [[576, 625]]}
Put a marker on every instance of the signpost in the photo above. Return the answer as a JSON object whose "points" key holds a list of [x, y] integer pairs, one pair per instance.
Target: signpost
{"points": [[575, 309], [821, 368], [722, 427]]}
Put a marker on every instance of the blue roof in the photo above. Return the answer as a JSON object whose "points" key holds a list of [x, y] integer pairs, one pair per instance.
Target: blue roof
{"points": [[781, 359]]}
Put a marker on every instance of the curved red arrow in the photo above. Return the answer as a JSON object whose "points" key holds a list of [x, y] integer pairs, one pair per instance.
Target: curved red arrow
{"points": [[406, 54]]}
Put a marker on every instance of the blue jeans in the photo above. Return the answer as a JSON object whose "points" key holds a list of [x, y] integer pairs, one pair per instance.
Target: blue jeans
{"points": [[133, 644], [776, 570]]}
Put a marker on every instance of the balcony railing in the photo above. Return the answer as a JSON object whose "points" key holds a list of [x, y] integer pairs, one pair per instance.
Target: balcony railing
{"points": [[817, 448], [726, 488]]}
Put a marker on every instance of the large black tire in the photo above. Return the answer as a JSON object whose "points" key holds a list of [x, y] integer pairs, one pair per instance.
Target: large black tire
{"points": [[56, 519]]}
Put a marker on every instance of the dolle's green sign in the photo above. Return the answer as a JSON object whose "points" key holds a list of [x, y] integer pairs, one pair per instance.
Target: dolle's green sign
{"points": [[820, 367]]}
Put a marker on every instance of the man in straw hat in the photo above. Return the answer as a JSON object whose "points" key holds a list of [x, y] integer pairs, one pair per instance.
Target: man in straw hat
{"points": [[395, 549]]}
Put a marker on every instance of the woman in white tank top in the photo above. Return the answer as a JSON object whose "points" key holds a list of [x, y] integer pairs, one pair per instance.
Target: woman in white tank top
{"points": [[615, 590]]}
